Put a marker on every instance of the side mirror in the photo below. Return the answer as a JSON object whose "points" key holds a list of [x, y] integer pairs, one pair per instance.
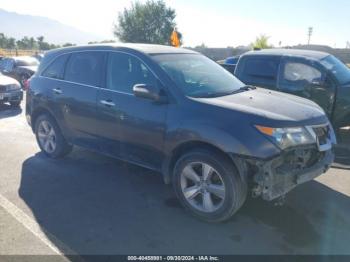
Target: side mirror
{"points": [[148, 92]]}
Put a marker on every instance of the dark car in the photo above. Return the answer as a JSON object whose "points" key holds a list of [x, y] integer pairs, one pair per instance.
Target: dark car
{"points": [[318, 76], [10, 91], [20, 68], [177, 112], [230, 63]]}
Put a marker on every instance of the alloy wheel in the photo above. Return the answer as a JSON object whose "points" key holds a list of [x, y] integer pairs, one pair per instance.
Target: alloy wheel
{"points": [[203, 187], [47, 137]]}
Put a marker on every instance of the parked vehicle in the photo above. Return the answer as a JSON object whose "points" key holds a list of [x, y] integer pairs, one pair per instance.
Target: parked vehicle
{"points": [[230, 63], [10, 91], [38, 56], [314, 75], [20, 68], [177, 112]]}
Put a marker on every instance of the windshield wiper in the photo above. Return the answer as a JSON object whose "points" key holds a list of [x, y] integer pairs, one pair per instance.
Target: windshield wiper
{"points": [[242, 88], [218, 94], [247, 88]]}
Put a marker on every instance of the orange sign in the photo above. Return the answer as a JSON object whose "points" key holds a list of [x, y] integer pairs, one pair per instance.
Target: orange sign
{"points": [[174, 39]]}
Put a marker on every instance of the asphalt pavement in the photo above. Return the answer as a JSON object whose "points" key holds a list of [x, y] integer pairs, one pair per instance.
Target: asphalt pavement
{"points": [[88, 203]]}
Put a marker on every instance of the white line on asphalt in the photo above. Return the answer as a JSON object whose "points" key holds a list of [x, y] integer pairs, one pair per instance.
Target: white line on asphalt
{"points": [[33, 227]]}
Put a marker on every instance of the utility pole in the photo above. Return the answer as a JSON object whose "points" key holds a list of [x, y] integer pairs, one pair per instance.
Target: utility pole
{"points": [[309, 34]]}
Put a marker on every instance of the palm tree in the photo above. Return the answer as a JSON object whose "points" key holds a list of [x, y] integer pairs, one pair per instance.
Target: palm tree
{"points": [[261, 42]]}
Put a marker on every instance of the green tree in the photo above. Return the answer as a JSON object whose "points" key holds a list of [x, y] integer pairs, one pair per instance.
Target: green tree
{"points": [[261, 42], [10, 43], [52, 46], [32, 43], [20, 44], [40, 40], [101, 42], [3, 40], [68, 44], [150, 22], [25, 43]]}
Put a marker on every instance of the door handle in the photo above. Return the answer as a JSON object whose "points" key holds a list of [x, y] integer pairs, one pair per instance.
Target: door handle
{"points": [[107, 103], [57, 91]]}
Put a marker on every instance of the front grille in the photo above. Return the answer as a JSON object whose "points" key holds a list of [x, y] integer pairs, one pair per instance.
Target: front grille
{"points": [[2, 88], [322, 134]]}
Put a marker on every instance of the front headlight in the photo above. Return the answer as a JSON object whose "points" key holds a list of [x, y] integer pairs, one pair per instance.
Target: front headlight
{"points": [[12, 87], [288, 136]]}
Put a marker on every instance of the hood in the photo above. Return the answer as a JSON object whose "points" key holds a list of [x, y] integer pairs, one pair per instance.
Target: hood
{"points": [[5, 80], [270, 105], [30, 68]]}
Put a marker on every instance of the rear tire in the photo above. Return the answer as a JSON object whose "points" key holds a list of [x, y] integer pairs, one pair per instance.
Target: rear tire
{"points": [[208, 185], [50, 138]]}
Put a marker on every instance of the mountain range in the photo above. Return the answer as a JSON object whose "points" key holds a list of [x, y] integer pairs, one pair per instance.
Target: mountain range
{"points": [[18, 25]]}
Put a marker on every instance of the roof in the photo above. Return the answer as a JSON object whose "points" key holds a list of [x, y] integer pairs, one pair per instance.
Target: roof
{"points": [[144, 48], [290, 52]]}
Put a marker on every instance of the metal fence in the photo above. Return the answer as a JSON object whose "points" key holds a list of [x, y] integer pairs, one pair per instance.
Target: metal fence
{"points": [[17, 52]]}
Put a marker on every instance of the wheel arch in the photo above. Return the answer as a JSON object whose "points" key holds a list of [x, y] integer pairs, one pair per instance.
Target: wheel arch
{"points": [[38, 112], [188, 146]]}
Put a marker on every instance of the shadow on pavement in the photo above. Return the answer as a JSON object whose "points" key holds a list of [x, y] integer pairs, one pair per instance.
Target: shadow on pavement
{"points": [[7, 110], [97, 205]]}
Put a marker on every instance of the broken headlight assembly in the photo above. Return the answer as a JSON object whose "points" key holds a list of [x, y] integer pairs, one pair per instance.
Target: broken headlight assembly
{"points": [[288, 136]]}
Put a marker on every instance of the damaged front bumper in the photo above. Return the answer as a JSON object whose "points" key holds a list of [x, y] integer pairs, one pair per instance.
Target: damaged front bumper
{"points": [[274, 178]]}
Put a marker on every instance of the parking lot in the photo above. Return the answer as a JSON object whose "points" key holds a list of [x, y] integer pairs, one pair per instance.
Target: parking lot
{"points": [[91, 204]]}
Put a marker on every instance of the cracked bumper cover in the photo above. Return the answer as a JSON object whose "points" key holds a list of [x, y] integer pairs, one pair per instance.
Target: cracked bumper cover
{"points": [[273, 178]]}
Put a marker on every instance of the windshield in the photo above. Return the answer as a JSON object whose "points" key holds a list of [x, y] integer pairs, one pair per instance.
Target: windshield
{"points": [[197, 75], [338, 68]]}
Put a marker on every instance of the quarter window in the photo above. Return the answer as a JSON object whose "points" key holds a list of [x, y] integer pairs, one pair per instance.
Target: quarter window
{"points": [[298, 71], [124, 71], [85, 68], [56, 69], [297, 76]]}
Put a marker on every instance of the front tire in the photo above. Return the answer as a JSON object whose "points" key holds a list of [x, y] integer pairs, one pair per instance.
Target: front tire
{"points": [[50, 138], [208, 185]]}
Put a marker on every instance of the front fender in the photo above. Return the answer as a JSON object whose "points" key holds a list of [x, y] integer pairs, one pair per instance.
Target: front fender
{"points": [[243, 140], [205, 134]]}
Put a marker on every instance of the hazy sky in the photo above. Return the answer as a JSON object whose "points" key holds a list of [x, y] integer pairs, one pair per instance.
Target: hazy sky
{"points": [[218, 23]]}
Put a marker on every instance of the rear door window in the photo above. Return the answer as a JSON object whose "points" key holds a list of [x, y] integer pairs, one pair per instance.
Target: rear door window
{"points": [[86, 68], [260, 71], [56, 68]]}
